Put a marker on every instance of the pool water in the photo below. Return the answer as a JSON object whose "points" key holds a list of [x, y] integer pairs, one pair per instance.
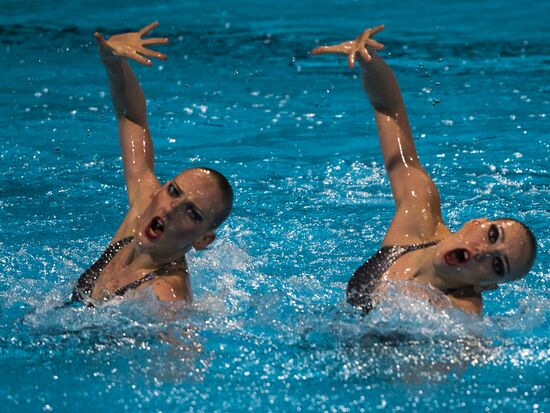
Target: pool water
{"points": [[269, 329]]}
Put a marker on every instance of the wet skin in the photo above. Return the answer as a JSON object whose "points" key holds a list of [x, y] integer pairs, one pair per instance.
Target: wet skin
{"points": [[489, 253], [186, 208], [478, 256], [180, 216], [165, 220]]}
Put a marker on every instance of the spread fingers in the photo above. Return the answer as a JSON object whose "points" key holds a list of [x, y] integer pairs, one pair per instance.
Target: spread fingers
{"points": [[152, 53], [154, 40], [376, 29], [148, 28]]}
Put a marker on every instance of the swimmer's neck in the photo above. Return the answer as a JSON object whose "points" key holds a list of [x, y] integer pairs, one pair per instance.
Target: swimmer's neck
{"points": [[138, 258], [426, 273]]}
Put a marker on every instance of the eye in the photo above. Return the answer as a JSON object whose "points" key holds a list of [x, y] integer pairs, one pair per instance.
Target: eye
{"points": [[493, 233], [195, 216], [498, 266], [173, 190]]}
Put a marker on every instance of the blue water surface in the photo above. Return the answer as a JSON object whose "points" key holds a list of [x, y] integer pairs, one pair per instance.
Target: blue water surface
{"points": [[269, 329]]}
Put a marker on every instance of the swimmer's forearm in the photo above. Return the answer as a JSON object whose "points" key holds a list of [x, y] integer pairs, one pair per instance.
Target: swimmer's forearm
{"points": [[126, 93], [380, 85]]}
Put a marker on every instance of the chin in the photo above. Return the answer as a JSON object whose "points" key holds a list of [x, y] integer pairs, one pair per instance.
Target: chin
{"points": [[454, 273], [145, 242]]}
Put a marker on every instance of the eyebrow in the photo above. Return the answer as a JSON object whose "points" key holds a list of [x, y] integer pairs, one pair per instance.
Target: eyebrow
{"points": [[189, 203], [501, 232], [177, 186]]}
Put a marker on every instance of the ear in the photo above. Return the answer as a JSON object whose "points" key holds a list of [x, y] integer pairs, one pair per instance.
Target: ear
{"points": [[204, 241]]}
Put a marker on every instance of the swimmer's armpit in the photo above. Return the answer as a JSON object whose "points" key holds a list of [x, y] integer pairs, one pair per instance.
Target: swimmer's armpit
{"points": [[352, 47], [131, 45]]}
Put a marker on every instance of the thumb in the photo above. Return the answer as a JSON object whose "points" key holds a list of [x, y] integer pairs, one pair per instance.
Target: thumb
{"points": [[321, 50], [100, 39]]}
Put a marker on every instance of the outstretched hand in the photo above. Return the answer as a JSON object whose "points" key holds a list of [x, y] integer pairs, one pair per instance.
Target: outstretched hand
{"points": [[131, 45], [352, 47]]}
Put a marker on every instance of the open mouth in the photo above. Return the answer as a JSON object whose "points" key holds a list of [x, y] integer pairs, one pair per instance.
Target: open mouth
{"points": [[155, 228], [457, 256]]}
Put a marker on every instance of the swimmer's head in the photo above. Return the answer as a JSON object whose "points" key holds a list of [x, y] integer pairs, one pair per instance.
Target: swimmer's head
{"points": [[184, 213], [487, 252], [222, 204], [525, 241]]}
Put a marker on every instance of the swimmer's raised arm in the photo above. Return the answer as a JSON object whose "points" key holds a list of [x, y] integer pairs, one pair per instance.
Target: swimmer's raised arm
{"points": [[129, 101], [415, 194]]}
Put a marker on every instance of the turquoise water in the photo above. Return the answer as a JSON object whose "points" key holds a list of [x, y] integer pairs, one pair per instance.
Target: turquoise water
{"points": [[269, 329]]}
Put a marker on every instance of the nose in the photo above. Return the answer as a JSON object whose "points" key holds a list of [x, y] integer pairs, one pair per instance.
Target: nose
{"points": [[481, 256]]}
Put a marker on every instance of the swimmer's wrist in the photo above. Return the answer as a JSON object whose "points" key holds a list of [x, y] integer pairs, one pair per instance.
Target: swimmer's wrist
{"points": [[109, 56], [373, 55]]}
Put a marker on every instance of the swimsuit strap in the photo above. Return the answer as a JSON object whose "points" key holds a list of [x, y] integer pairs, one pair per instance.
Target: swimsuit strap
{"points": [[412, 247], [165, 270], [86, 282], [363, 283]]}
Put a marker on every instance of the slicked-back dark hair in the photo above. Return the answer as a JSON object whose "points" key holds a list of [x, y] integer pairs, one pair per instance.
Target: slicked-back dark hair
{"points": [[227, 195], [530, 237]]}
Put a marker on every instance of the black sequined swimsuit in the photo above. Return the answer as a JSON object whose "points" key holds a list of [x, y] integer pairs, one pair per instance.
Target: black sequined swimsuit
{"points": [[82, 292], [364, 280]]}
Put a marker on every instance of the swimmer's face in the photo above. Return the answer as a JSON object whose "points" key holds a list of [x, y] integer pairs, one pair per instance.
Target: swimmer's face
{"points": [[182, 214], [485, 253]]}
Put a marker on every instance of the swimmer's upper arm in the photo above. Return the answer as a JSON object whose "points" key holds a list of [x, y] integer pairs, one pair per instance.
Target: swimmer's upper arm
{"points": [[138, 159], [417, 202], [467, 300], [408, 179], [133, 129], [410, 183]]}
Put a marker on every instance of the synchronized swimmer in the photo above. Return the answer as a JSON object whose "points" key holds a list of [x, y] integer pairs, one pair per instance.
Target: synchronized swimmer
{"points": [[163, 222], [418, 249]]}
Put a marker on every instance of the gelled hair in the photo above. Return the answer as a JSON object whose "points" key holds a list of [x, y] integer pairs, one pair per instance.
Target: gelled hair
{"points": [[227, 195], [530, 238]]}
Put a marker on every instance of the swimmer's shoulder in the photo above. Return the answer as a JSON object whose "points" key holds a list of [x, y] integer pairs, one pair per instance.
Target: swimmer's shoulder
{"points": [[467, 299], [175, 286]]}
